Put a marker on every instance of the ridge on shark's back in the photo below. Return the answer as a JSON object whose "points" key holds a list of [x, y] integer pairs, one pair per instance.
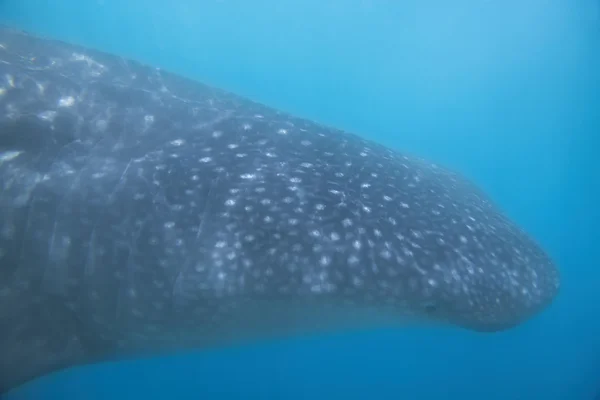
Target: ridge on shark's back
{"points": [[144, 212]]}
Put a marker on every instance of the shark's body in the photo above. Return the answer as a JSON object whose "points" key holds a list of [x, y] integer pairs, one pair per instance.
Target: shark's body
{"points": [[143, 212]]}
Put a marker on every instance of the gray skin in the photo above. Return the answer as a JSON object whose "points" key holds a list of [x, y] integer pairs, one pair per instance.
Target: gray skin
{"points": [[142, 212]]}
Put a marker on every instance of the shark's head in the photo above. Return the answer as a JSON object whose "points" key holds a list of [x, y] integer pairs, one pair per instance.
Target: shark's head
{"points": [[489, 283]]}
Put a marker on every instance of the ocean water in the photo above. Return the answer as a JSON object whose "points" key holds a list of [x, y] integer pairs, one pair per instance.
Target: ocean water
{"points": [[507, 92]]}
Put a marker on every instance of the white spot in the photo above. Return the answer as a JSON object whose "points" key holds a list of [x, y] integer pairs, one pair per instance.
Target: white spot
{"points": [[9, 155], [295, 180], [101, 125], [248, 176], [305, 143], [41, 87], [217, 134], [357, 244], [282, 131], [347, 222], [334, 236], [365, 185], [47, 115], [230, 202], [463, 239], [66, 101], [205, 159], [169, 224], [246, 126], [320, 207], [404, 205], [177, 142], [387, 198], [325, 260]]}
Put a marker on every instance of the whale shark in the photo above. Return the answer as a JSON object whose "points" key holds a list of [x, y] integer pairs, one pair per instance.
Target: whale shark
{"points": [[143, 212]]}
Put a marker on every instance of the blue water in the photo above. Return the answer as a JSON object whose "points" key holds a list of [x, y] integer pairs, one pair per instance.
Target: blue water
{"points": [[507, 92]]}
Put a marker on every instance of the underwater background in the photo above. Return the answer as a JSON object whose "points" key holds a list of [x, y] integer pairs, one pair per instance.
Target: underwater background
{"points": [[506, 92]]}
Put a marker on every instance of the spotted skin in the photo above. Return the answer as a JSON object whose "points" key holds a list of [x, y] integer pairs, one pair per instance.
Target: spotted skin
{"points": [[143, 212]]}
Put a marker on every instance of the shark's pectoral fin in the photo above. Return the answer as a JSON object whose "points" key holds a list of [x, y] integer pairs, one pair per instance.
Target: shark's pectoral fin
{"points": [[37, 338]]}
